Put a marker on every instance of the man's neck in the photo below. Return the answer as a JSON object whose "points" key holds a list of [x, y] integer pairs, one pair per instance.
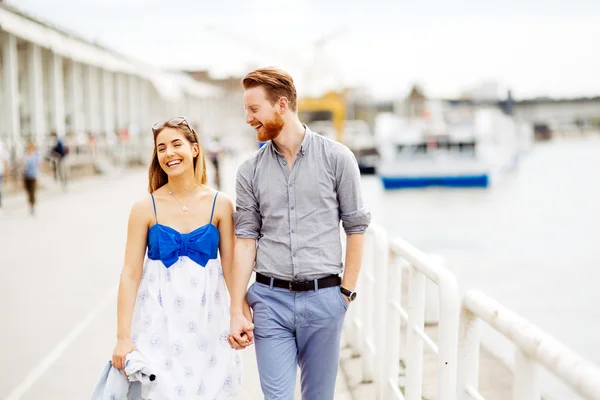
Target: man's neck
{"points": [[290, 139]]}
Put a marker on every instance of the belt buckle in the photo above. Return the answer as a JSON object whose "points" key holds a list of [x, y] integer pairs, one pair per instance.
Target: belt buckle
{"points": [[297, 283]]}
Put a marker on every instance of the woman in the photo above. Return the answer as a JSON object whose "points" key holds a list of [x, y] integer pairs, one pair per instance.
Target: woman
{"points": [[30, 174], [175, 310]]}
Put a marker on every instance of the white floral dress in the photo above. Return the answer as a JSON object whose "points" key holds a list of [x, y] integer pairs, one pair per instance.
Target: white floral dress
{"points": [[181, 316]]}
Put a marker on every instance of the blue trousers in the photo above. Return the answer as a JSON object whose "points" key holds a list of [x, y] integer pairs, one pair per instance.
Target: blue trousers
{"points": [[297, 329]]}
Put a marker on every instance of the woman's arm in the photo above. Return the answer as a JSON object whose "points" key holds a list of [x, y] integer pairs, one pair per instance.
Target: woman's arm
{"points": [[226, 238], [131, 275]]}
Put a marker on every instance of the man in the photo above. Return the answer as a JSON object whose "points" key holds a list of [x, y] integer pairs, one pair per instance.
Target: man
{"points": [[214, 151], [291, 195], [57, 154]]}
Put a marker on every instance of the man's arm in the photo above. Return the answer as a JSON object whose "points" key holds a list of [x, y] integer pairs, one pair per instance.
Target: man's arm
{"points": [[354, 215], [241, 320], [247, 231], [243, 256], [224, 212], [354, 251]]}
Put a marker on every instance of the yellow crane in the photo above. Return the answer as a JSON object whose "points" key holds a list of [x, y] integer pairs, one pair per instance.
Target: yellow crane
{"points": [[331, 102]]}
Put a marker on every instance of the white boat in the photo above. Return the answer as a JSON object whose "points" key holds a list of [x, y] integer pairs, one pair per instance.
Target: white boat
{"points": [[466, 147], [359, 139]]}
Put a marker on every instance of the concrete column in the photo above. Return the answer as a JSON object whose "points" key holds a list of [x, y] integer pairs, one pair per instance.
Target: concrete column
{"points": [[58, 94], [146, 104], [200, 111], [36, 91], [92, 102], [2, 111], [182, 106], [121, 97], [158, 105], [108, 103], [211, 115], [10, 77], [133, 100], [76, 90]]}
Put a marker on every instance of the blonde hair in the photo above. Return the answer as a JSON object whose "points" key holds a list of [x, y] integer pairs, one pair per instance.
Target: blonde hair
{"points": [[276, 82], [157, 177]]}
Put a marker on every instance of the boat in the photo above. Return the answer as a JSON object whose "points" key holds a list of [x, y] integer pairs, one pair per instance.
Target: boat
{"points": [[357, 136], [360, 140], [466, 147]]}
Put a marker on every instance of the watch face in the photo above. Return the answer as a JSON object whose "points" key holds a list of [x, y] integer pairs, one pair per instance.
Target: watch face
{"points": [[352, 296]]}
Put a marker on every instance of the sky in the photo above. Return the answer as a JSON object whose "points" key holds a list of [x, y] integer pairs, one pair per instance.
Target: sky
{"points": [[534, 47]]}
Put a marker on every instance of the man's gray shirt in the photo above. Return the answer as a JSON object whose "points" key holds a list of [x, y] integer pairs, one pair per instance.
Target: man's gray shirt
{"points": [[294, 214]]}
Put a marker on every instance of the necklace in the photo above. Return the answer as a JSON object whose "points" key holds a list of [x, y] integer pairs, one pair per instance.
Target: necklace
{"points": [[184, 207]]}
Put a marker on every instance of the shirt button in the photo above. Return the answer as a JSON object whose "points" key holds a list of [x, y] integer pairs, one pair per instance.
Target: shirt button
{"points": [[291, 184], [294, 255], [284, 162], [292, 207], [293, 231]]}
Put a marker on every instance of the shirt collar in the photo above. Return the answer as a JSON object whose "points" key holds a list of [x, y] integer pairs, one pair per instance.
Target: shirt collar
{"points": [[307, 139], [308, 134]]}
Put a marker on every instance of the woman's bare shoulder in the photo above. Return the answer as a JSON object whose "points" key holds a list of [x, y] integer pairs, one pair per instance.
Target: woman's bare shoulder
{"points": [[143, 209], [224, 202]]}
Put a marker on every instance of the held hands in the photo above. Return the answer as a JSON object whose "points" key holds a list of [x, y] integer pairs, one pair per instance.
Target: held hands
{"points": [[241, 333], [122, 348]]}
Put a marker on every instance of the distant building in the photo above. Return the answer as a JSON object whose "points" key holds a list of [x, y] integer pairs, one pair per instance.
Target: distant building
{"points": [[233, 124], [414, 105], [52, 80], [576, 115]]}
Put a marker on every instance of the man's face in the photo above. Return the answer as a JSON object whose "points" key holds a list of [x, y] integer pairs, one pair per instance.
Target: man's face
{"points": [[261, 115]]}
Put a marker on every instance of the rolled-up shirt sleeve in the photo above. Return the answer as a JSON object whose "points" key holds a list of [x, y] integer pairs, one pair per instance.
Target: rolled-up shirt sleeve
{"points": [[246, 216], [353, 213]]}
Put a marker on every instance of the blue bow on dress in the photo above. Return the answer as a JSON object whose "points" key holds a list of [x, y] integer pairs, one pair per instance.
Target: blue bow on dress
{"points": [[200, 245]]}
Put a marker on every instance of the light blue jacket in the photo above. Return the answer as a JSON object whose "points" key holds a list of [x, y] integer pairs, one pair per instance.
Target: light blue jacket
{"points": [[114, 385]]}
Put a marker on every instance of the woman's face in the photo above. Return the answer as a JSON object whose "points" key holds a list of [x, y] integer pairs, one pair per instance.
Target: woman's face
{"points": [[175, 153]]}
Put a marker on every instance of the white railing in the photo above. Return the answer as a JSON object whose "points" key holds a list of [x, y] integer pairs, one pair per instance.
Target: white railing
{"points": [[422, 267], [367, 324], [374, 331], [533, 348]]}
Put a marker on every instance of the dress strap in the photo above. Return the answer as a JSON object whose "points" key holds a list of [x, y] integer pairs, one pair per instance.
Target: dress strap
{"points": [[213, 208], [154, 204]]}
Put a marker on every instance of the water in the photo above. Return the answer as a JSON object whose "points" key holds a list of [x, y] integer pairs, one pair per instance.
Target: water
{"points": [[532, 242]]}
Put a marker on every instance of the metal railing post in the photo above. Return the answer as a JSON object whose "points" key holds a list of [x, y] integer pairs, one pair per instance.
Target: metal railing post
{"points": [[416, 320]]}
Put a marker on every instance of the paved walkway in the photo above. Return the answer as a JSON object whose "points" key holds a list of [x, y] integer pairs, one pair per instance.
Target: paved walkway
{"points": [[58, 292]]}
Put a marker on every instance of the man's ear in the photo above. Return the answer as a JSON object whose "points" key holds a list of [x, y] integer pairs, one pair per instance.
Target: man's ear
{"points": [[283, 105]]}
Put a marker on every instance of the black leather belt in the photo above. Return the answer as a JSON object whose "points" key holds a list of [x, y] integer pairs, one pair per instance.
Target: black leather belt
{"points": [[300, 286]]}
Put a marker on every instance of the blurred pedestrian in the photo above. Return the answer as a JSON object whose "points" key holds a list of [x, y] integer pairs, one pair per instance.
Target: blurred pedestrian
{"points": [[214, 155], [58, 153], [30, 174]]}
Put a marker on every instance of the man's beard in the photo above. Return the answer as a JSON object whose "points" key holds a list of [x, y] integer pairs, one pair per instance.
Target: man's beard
{"points": [[271, 129]]}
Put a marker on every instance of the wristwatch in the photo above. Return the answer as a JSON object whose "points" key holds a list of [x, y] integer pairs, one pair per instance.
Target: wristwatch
{"points": [[351, 295]]}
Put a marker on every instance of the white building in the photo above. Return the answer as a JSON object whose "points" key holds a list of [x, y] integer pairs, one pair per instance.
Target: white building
{"points": [[52, 81]]}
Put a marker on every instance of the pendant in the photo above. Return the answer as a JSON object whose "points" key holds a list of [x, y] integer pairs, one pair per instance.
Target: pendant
{"points": [[184, 208]]}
